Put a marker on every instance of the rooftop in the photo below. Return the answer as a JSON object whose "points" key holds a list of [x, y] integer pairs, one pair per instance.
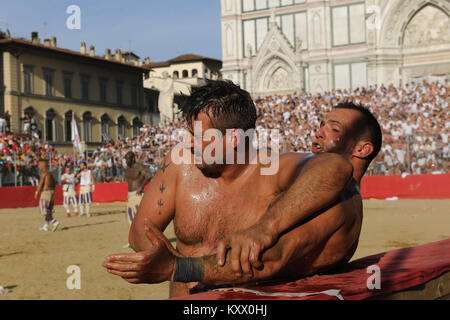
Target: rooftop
{"points": [[52, 47], [181, 59]]}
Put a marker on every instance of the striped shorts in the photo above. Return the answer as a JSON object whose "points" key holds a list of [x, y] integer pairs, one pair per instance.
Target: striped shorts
{"points": [[70, 198], [85, 196], [133, 201], [46, 204]]}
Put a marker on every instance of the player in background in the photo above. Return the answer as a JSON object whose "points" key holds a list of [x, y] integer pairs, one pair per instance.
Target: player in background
{"points": [[46, 201], [86, 188], [137, 177], [69, 193]]}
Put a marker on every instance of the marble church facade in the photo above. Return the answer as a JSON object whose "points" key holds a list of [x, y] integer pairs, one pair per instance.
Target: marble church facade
{"points": [[285, 46]]}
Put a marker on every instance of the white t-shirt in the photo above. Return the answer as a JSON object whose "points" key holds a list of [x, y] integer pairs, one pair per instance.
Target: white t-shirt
{"points": [[2, 125], [396, 133], [98, 162], [421, 161], [409, 128], [85, 179], [400, 155], [69, 180]]}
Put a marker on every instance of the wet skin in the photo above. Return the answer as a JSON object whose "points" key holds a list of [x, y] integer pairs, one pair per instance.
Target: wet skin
{"points": [[206, 210]]}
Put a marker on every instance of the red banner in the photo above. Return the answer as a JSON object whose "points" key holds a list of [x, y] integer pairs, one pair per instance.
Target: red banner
{"points": [[378, 187], [430, 186], [22, 197]]}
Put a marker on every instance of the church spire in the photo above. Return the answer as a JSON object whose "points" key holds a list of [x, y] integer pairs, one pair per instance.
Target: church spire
{"points": [[273, 20]]}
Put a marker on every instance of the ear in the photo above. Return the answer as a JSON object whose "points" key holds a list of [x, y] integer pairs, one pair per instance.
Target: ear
{"points": [[362, 149]]}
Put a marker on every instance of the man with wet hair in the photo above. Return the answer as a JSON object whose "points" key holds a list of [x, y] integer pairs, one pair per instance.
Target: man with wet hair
{"points": [[234, 225], [46, 201]]}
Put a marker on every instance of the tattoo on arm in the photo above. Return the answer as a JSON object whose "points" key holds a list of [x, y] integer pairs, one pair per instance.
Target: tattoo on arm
{"points": [[164, 166], [163, 186], [160, 204]]}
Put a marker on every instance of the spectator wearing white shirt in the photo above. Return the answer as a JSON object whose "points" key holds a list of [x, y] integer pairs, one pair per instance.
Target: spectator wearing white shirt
{"points": [[3, 124]]}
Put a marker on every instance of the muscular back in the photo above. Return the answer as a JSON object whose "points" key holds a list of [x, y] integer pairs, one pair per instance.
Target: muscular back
{"points": [[332, 234]]}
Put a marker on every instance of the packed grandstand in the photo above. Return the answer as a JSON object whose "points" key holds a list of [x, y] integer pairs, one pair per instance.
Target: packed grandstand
{"points": [[415, 120]]}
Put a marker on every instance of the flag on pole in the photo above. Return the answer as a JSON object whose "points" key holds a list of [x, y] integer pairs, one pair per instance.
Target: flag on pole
{"points": [[75, 136]]}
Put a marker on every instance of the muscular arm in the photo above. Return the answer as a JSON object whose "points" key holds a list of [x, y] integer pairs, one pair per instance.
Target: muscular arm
{"points": [[315, 246], [41, 183], [319, 182], [157, 206], [297, 253]]}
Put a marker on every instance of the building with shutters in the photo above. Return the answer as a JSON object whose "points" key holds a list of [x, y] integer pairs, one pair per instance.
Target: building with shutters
{"points": [[104, 93]]}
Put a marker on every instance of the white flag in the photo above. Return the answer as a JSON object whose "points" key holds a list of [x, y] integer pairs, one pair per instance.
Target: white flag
{"points": [[75, 136]]}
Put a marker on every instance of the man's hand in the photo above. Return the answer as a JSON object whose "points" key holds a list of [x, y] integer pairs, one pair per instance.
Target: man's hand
{"points": [[246, 247], [36, 194], [154, 265]]}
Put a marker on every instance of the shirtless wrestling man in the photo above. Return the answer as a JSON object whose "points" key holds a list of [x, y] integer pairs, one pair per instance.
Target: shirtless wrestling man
{"points": [[307, 215]]}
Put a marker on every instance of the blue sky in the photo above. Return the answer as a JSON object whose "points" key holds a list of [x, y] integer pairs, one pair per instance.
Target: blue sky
{"points": [[159, 29]]}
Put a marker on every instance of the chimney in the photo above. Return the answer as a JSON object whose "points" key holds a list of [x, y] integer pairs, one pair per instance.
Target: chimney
{"points": [[118, 55], [47, 42], [35, 37], [53, 42], [83, 48], [92, 50], [147, 60], [108, 54]]}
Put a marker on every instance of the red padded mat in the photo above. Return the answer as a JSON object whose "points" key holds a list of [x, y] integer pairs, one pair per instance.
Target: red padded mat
{"points": [[399, 270]]}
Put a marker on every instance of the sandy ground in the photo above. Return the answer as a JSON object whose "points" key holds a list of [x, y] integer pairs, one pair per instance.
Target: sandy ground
{"points": [[33, 263]]}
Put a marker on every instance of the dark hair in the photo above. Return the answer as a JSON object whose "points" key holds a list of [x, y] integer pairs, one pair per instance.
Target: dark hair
{"points": [[227, 105], [130, 154], [368, 126]]}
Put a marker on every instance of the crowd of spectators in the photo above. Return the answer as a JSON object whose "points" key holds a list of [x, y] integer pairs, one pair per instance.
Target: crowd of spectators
{"points": [[20, 154], [415, 122]]}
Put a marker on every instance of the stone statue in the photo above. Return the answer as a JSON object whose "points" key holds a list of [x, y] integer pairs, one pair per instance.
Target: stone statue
{"points": [[299, 44], [165, 99], [272, 20], [249, 50]]}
